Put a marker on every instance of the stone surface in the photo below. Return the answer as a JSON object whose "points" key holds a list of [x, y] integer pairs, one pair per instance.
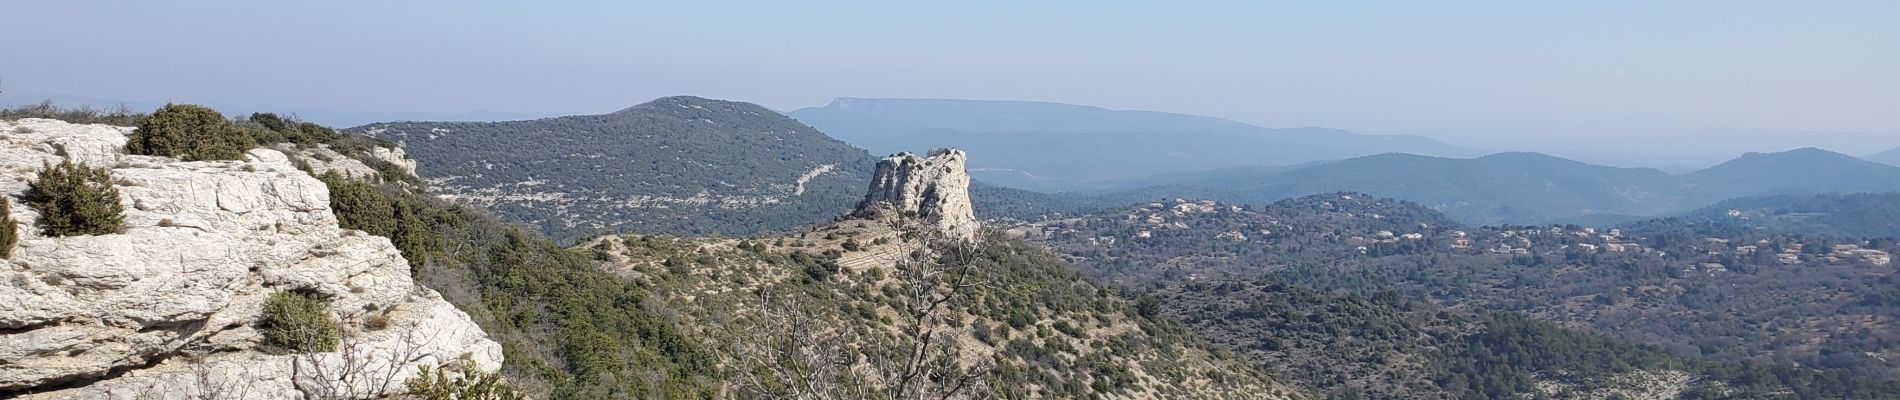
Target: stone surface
{"points": [[935, 188], [166, 308], [395, 156], [319, 159]]}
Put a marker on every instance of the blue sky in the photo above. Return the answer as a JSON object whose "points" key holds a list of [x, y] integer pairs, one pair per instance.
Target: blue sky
{"points": [[1505, 71]]}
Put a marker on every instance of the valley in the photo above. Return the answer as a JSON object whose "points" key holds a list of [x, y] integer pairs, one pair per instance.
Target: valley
{"points": [[1353, 294]]}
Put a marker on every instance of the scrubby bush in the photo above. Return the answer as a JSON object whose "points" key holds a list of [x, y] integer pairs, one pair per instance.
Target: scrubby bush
{"points": [[299, 322], [74, 199], [120, 116], [270, 128], [9, 234], [362, 206], [460, 381], [189, 132]]}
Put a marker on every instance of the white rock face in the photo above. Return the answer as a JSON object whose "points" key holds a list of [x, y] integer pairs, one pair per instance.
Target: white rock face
{"points": [[154, 310], [320, 159], [395, 156], [935, 187]]}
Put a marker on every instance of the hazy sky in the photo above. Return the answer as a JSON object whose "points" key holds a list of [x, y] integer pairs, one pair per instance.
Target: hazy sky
{"points": [[1508, 69]]}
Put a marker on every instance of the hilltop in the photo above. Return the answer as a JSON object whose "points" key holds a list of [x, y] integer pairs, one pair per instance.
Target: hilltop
{"points": [[682, 165]]}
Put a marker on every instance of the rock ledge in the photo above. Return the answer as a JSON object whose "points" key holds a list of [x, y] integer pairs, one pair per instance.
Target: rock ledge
{"points": [[167, 307]]}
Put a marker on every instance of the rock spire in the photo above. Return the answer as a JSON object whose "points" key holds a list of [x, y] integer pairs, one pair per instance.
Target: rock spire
{"points": [[935, 188]]}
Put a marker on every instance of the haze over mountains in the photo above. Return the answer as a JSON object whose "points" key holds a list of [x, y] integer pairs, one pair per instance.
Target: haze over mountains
{"points": [[658, 166], [1056, 147], [1536, 188]]}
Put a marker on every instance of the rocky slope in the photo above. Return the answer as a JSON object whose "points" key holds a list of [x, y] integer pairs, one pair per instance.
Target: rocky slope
{"points": [[167, 307]]}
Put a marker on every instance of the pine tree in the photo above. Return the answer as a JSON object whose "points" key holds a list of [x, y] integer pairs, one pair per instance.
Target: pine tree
{"points": [[9, 233], [189, 132], [74, 199]]}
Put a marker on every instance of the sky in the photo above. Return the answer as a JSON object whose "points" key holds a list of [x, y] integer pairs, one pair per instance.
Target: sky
{"points": [[1546, 75]]}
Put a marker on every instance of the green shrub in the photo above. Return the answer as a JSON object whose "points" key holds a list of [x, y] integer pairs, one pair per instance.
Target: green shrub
{"points": [[189, 132], [460, 382], [74, 199], [9, 234], [300, 323], [265, 128], [362, 206]]}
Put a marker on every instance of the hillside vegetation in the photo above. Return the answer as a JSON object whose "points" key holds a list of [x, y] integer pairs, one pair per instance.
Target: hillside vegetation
{"points": [[1823, 303], [682, 165], [1844, 215], [831, 312], [610, 318]]}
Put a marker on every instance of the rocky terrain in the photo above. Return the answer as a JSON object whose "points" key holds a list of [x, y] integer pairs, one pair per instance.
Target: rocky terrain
{"points": [[168, 307], [934, 188]]}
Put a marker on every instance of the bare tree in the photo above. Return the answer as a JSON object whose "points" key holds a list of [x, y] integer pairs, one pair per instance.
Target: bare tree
{"points": [[214, 383], [357, 369], [789, 352], [932, 269]]}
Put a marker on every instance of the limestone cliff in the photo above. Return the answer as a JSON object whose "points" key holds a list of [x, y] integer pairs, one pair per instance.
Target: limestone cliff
{"points": [[935, 188], [167, 307]]}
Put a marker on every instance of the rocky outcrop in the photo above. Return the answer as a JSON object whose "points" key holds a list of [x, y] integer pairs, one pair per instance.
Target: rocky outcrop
{"points": [[934, 188], [167, 307]]}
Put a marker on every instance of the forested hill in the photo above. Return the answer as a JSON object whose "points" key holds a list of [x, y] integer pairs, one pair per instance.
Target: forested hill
{"points": [[683, 165], [1844, 215]]}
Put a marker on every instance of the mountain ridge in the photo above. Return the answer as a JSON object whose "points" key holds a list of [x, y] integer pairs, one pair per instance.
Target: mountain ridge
{"points": [[653, 167], [1054, 146], [1529, 187]]}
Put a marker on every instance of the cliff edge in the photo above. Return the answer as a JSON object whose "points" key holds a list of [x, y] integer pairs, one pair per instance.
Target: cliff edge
{"points": [[169, 306]]}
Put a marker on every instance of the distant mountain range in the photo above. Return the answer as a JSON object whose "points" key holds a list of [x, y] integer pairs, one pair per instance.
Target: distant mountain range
{"points": [[1058, 147], [1889, 157], [1529, 187]]}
